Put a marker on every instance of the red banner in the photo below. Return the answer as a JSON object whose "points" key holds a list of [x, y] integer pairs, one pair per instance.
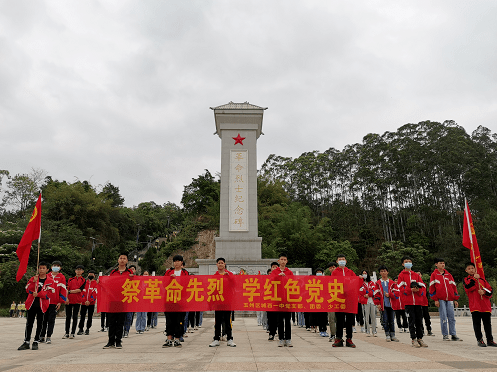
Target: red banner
{"points": [[470, 242], [234, 292]]}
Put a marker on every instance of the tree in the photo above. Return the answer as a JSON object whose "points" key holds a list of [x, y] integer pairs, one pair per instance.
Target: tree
{"points": [[200, 194], [21, 193]]}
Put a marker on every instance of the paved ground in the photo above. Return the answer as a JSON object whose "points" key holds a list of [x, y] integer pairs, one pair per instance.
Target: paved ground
{"points": [[253, 352]]}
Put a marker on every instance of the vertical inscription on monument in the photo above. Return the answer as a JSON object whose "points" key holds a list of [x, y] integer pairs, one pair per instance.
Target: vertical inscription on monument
{"points": [[238, 190]]}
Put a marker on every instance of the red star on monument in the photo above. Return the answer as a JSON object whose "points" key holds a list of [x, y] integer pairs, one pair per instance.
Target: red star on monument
{"points": [[238, 139]]}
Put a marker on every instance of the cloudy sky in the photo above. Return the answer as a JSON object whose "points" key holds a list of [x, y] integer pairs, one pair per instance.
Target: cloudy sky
{"points": [[120, 91]]}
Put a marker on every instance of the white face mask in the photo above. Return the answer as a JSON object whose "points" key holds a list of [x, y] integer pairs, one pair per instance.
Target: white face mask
{"points": [[364, 276], [342, 263], [319, 274], [55, 269]]}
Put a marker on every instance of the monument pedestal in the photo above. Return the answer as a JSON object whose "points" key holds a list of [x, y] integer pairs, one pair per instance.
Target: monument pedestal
{"points": [[252, 267]]}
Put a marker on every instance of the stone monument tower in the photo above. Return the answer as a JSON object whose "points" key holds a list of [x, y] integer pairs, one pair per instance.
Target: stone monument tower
{"points": [[239, 125]]}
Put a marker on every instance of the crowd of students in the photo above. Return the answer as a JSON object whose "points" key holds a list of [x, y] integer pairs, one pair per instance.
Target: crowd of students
{"points": [[403, 300]]}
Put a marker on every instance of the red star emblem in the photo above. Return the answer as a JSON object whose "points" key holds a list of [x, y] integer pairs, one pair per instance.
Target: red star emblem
{"points": [[238, 139]]}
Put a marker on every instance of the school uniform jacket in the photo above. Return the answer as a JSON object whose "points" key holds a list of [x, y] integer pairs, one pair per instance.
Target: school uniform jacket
{"points": [[424, 295], [75, 283], [60, 294], [476, 301], [442, 286], [407, 296], [171, 272], [345, 271], [379, 298], [90, 292], [47, 287], [367, 288], [277, 272]]}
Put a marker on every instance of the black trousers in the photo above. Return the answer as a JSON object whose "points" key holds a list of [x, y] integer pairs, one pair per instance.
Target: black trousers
{"points": [[84, 310], [401, 319], [174, 324], [103, 322], [284, 325], [115, 322], [222, 317], [49, 321], [360, 315], [272, 321], [149, 319], [415, 318], [307, 320], [427, 318], [72, 311], [478, 318], [191, 319], [344, 320], [33, 313]]}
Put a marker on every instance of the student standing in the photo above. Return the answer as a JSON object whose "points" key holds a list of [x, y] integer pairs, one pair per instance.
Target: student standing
{"points": [[174, 320], [57, 298], [75, 286], [116, 320], [386, 291], [479, 293], [222, 317], [88, 303], [331, 314], [13, 307], [344, 320], [272, 318], [443, 291], [411, 289], [398, 308], [424, 307], [37, 304], [283, 317], [369, 307]]}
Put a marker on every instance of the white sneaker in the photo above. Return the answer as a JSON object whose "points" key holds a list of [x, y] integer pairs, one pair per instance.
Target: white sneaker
{"points": [[214, 343], [231, 343], [388, 339], [281, 343], [289, 343], [354, 330]]}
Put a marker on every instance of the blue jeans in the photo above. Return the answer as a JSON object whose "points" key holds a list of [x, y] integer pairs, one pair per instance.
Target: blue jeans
{"points": [[141, 321], [446, 312], [389, 321], [201, 318], [128, 322]]}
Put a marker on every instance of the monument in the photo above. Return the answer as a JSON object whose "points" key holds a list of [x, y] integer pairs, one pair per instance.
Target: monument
{"points": [[239, 125]]}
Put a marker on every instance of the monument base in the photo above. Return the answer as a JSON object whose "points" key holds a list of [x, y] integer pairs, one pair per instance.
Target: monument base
{"points": [[240, 249]]}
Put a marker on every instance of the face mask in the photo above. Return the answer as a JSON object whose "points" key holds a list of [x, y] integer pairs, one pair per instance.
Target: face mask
{"points": [[408, 265], [341, 263], [91, 277], [319, 274], [55, 269], [364, 276]]}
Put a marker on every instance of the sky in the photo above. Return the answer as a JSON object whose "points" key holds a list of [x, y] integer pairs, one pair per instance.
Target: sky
{"points": [[120, 91]]}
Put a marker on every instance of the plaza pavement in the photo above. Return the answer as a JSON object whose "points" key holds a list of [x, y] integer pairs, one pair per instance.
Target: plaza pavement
{"points": [[253, 352]]}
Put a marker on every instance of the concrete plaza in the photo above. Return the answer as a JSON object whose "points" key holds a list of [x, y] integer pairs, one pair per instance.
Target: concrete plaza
{"points": [[253, 352]]}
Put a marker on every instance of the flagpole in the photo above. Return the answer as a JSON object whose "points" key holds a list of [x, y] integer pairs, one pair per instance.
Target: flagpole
{"points": [[471, 239]]}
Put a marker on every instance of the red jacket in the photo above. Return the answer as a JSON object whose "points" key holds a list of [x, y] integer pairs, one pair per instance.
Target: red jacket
{"points": [[116, 272], [60, 294], [443, 287], [407, 296], [171, 272], [367, 288], [75, 283], [345, 271], [424, 295], [395, 301], [43, 291], [226, 272], [90, 292], [277, 271], [380, 295], [476, 301]]}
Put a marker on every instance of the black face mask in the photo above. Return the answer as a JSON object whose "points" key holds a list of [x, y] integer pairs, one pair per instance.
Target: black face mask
{"points": [[91, 277]]}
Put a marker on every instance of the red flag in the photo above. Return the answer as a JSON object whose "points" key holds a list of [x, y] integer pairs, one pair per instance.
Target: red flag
{"points": [[33, 232], [470, 242]]}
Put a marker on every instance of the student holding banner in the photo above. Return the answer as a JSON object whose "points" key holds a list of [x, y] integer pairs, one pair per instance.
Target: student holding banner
{"points": [[116, 320], [283, 317], [174, 320], [222, 316]]}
